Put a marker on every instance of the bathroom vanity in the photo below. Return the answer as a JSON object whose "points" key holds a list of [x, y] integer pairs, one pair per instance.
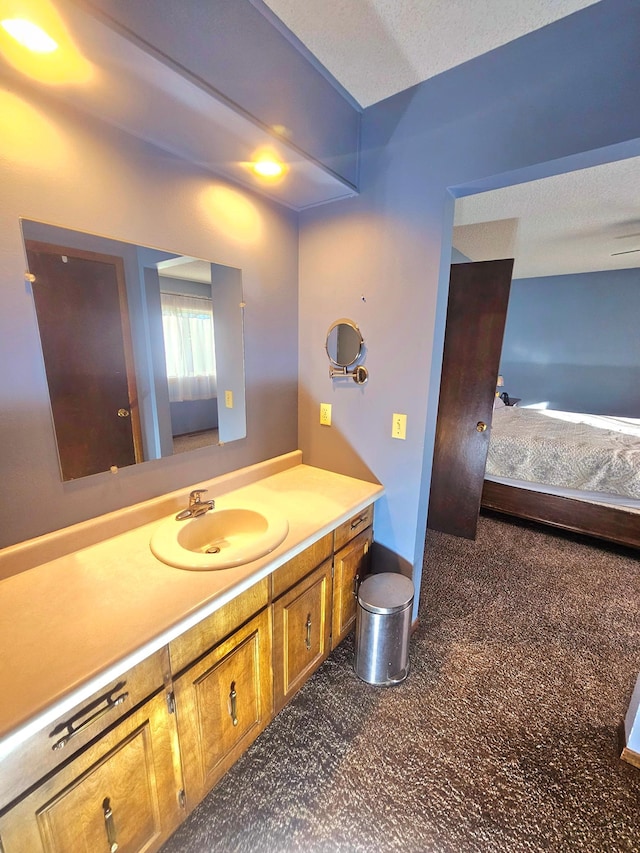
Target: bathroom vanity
{"points": [[132, 686]]}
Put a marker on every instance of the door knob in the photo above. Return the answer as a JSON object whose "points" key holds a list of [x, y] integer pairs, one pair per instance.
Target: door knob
{"points": [[481, 426], [123, 413]]}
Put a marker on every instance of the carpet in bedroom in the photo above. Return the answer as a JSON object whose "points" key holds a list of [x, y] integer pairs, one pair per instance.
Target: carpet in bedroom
{"points": [[503, 738]]}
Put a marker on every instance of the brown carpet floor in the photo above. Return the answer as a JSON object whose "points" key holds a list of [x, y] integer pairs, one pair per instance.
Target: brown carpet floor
{"points": [[503, 737]]}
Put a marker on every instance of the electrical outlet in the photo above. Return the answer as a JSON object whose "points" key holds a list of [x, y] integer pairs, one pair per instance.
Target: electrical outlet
{"points": [[228, 399], [399, 426], [325, 414]]}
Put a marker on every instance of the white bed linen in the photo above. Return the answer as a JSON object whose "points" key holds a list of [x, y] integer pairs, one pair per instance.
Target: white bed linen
{"points": [[592, 453]]}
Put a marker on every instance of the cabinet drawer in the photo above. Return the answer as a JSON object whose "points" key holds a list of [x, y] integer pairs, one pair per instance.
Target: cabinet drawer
{"points": [[294, 570], [50, 747], [223, 702], [121, 791], [356, 524], [200, 639], [301, 628]]}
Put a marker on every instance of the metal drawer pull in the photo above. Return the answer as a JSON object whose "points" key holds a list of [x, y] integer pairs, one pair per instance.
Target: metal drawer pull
{"points": [[233, 704], [307, 641], [356, 585], [72, 730], [357, 521], [109, 824]]}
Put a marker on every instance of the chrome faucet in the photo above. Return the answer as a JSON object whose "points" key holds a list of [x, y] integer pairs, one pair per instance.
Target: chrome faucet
{"points": [[196, 506]]}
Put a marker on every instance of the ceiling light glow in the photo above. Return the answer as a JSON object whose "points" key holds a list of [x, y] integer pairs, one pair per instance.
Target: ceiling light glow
{"points": [[29, 35], [268, 168]]}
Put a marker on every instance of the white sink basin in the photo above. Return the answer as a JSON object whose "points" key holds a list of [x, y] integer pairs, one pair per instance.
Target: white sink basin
{"points": [[218, 539]]}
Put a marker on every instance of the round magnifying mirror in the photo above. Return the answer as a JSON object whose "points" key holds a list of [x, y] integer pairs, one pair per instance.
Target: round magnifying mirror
{"points": [[344, 343]]}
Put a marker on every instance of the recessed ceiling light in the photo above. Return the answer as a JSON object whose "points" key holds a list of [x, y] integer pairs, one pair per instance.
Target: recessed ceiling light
{"points": [[29, 35], [268, 168]]}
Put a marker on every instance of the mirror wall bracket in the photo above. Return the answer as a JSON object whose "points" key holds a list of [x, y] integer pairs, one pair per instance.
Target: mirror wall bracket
{"points": [[359, 374]]}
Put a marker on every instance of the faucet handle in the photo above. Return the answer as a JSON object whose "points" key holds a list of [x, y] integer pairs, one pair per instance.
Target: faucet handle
{"points": [[194, 496]]}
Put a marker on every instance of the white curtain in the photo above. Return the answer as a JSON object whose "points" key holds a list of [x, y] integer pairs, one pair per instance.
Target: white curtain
{"points": [[187, 322]]}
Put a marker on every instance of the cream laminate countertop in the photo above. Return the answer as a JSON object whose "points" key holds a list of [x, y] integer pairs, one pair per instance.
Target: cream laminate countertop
{"points": [[72, 624]]}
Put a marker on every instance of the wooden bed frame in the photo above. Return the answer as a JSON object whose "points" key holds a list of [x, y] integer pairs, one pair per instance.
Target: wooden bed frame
{"points": [[605, 522]]}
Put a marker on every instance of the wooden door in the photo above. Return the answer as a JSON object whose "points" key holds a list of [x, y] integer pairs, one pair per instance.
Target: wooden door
{"points": [[223, 702], [81, 305], [350, 565], [476, 314], [301, 628]]}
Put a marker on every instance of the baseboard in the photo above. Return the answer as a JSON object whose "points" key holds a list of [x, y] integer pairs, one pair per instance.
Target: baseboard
{"points": [[627, 754]]}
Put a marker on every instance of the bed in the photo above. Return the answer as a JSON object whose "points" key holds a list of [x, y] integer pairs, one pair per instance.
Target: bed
{"points": [[576, 471]]}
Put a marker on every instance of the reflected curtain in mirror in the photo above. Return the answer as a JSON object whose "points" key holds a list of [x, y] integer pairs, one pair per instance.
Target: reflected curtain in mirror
{"points": [[187, 323]]}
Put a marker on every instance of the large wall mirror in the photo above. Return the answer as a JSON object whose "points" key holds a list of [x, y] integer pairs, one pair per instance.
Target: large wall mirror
{"points": [[143, 349]]}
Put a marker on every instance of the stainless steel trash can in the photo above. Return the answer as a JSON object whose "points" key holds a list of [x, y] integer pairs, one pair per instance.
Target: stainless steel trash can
{"points": [[383, 623]]}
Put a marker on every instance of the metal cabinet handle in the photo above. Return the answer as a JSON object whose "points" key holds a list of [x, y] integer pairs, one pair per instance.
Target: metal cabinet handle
{"points": [[73, 730], [307, 641], [109, 824], [233, 704], [481, 426], [123, 413], [357, 521], [356, 585]]}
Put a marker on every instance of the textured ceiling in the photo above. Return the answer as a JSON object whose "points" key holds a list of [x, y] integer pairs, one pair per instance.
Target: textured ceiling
{"points": [[375, 48], [583, 221]]}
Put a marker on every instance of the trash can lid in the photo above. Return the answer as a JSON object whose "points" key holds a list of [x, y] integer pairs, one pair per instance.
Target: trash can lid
{"points": [[385, 593]]}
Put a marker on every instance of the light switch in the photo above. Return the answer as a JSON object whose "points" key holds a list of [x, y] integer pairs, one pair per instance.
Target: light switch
{"points": [[228, 399], [325, 414], [399, 426]]}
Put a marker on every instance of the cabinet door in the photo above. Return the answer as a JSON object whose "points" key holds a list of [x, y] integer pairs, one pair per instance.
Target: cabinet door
{"points": [[350, 566], [223, 702], [121, 794], [301, 627]]}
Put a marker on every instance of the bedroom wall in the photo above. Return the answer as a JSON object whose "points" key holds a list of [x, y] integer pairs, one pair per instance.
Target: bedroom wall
{"points": [[59, 167], [572, 342], [457, 257], [538, 105]]}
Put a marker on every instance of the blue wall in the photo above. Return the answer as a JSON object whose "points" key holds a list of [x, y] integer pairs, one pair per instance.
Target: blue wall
{"points": [[457, 257], [564, 96], [572, 341]]}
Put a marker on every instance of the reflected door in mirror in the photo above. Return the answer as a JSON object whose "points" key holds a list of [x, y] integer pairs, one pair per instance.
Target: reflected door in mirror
{"points": [[80, 302]]}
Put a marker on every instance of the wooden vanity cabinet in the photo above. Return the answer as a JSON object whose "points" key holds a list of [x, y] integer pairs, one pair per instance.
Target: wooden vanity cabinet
{"points": [[350, 566], [148, 748], [223, 702], [74, 730], [121, 793]]}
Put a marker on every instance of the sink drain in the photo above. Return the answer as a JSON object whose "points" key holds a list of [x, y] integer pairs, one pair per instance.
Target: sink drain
{"points": [[213, 549]]}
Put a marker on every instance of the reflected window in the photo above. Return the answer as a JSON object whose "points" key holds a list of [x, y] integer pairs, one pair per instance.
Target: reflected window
{"points": [[187, 323]]}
